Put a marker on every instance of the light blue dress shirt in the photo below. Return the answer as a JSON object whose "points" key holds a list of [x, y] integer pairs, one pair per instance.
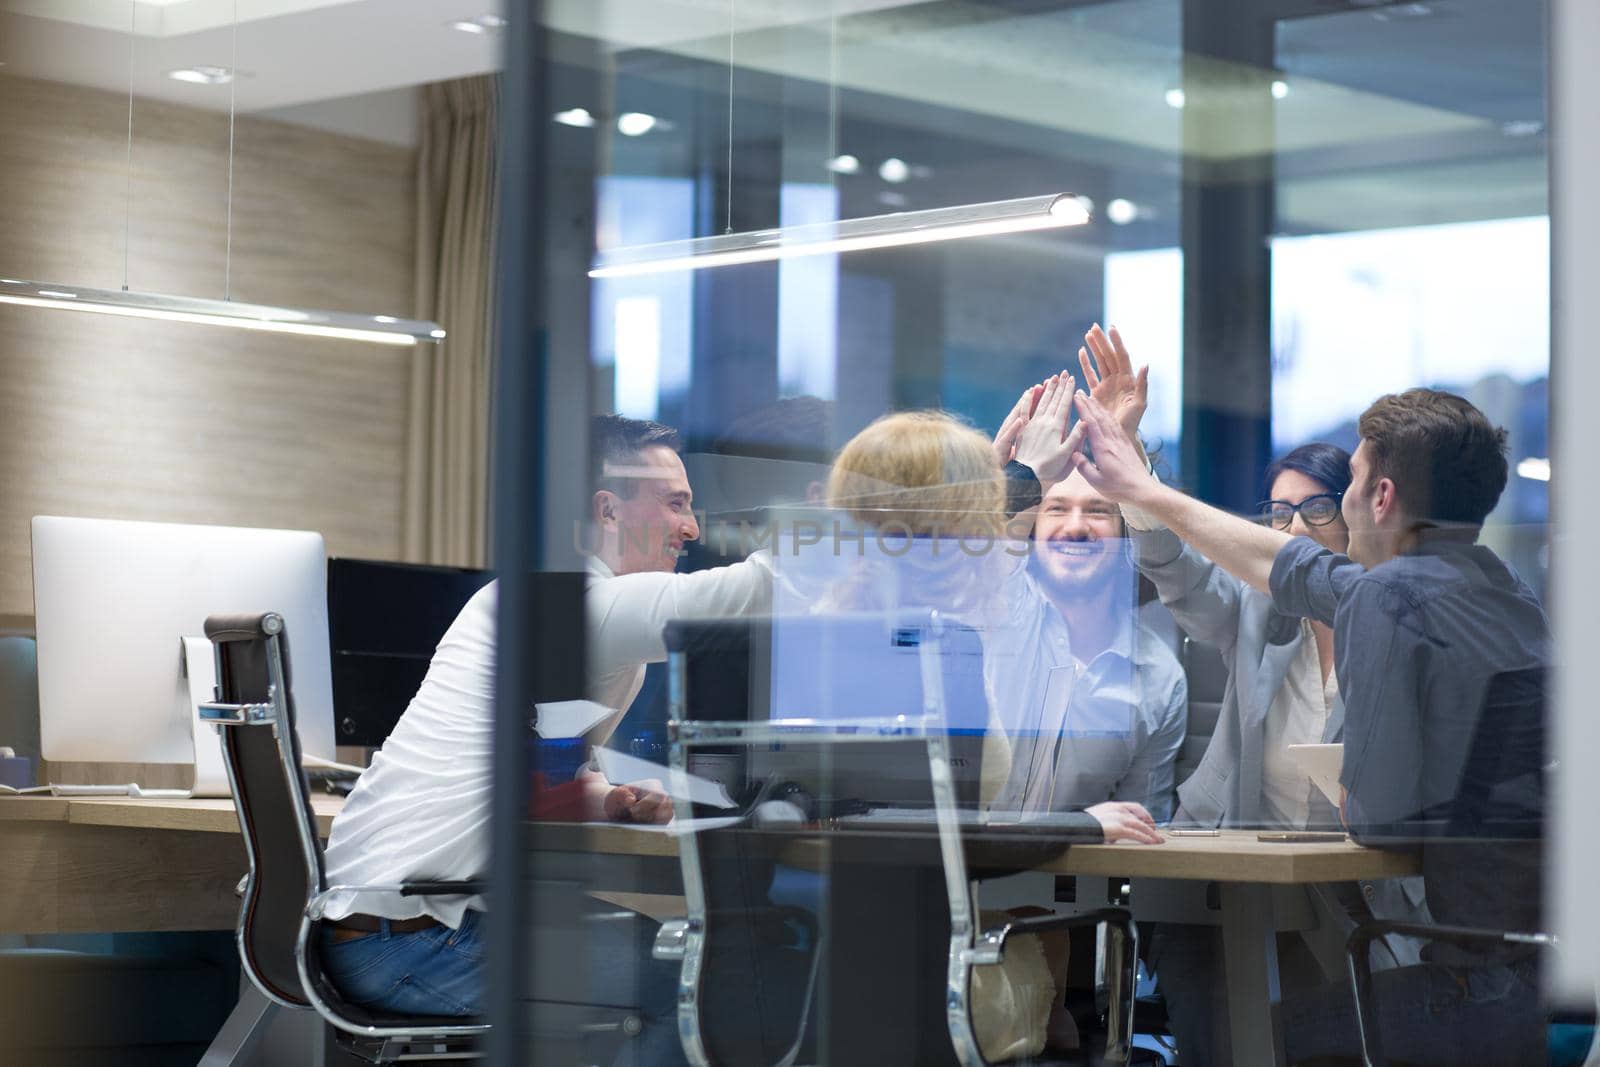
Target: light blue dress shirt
{"points": [[1081, 734]]}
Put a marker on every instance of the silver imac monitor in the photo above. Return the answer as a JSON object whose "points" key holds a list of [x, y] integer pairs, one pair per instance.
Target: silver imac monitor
{"points": [[113, 603]]}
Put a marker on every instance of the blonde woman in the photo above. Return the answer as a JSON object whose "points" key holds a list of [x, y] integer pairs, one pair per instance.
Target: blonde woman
{"points": [[927, 475]]}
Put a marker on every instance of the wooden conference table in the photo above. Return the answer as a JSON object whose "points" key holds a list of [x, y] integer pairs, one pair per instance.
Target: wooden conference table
{"points": [[1258, 890], [76, 865]]}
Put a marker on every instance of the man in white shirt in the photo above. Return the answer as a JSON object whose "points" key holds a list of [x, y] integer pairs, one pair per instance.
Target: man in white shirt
{"points": [[421, 810]]}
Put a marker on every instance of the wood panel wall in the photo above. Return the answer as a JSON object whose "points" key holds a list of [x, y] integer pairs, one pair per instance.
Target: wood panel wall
{"points": [[123, 418]]}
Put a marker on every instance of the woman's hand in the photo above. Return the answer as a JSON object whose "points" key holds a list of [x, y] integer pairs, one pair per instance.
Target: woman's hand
{"points": [[1005, 441], [1042, 443]]}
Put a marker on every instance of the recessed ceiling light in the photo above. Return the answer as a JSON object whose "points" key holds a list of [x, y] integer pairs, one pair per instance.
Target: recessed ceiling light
{"points": [[1522, 128], [384, 318], [1121, 212], [202, 75], [845, 164], [1176, 98], [1534, 468], [635, 123], [481, 25], [894, 170], [1280, 88], [574, 116]]}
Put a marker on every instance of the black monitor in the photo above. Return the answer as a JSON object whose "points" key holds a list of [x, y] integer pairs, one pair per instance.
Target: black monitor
{"points": [[384, 622]]}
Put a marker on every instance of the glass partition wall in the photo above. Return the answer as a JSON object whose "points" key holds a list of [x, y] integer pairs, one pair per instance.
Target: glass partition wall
{"points": [[820, 643]]}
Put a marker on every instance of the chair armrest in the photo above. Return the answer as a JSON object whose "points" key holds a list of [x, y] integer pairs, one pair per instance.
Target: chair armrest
{"points": [[469, 888], [672, 940], [1359, 960], [990, 946], [1464, 936]]}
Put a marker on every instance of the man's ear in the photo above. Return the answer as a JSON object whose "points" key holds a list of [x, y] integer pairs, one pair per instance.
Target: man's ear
{"points": [[603, 507], [1385, 502]]}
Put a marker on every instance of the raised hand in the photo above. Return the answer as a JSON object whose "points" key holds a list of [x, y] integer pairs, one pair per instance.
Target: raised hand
{"points": [[1042, 442], [1118, 469], [1005, 441], [1111, 380]]}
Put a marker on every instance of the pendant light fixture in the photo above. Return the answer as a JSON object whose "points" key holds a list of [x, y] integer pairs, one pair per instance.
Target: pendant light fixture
{"points": [[1050, 211], [379, 329], [305, 322]]}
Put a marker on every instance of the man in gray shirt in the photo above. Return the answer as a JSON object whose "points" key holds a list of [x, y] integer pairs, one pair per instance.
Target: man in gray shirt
{"points": [[1424, 618]]}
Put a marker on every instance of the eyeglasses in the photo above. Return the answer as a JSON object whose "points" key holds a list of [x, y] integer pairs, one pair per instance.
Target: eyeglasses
{"points": [[1317, 510]]}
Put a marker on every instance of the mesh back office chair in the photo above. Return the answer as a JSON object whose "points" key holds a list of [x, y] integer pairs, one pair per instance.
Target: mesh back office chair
{"points": [[1492, 829], [710, 664], [285, 891]]}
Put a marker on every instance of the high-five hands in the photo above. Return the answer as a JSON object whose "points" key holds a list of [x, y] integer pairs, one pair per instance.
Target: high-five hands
{"points": [[1110, 377], [1042, 442], [1005, 442], [1118, 469]]}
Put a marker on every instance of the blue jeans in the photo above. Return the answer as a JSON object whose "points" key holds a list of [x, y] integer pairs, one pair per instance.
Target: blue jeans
{"points": [[439, 971], [1428, 1014]]}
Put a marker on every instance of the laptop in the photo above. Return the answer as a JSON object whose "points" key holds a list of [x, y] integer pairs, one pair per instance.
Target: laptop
{"points": [[839, 673]]}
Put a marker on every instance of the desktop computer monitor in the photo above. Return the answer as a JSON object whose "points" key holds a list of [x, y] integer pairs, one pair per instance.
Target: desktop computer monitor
{"points": [[113, 601], [385, 620]]}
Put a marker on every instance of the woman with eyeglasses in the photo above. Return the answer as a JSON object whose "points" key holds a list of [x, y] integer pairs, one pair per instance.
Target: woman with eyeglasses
{"points": [[1281, 691]]}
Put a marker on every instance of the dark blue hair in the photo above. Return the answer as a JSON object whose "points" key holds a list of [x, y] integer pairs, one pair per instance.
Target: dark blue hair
{"points": [[1327, 465]]}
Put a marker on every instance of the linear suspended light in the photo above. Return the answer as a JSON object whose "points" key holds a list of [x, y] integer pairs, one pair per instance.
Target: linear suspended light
{"points": [[851, 235], [377, 329]]}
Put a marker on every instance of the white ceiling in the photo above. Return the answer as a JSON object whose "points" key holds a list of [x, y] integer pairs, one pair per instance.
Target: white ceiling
{"points": [[289, 52], [349, 66], [1099, 70]]}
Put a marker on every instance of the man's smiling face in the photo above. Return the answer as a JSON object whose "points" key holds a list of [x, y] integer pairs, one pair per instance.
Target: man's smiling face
{"points": [[1077, 535], [653, 523]]}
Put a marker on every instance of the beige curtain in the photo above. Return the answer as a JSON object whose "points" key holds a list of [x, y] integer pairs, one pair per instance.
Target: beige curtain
{"points": [[447, 462]]}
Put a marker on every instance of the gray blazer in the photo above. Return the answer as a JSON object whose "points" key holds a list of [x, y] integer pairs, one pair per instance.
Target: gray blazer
{"points": [[1258, 644]]}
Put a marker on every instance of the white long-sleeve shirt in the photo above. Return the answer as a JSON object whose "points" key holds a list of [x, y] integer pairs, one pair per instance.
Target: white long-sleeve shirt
{"points": [[421, 811]]}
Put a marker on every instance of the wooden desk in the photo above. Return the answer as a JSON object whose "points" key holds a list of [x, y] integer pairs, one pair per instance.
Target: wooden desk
{"points": [[79, 865], [1250, 875], [1232, 856], [116, 864]]}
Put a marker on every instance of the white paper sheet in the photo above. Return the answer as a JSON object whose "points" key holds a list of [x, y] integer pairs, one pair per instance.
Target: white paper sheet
{"points": [[621, 768], [1322, 764], [568, 718]]}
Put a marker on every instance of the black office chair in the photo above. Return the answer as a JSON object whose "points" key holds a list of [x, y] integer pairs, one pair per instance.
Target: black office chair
{"points": [[285, 891], [716, 670], [1492, 829]]}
